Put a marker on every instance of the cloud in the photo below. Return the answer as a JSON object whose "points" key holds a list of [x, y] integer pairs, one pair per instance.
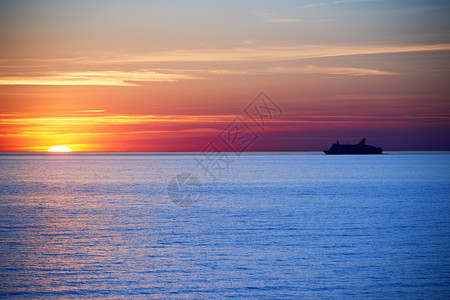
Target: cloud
{"points": [[308, 69], [91, 111], [110, 78], [313, 5], [269, 17], [103, 132], [347, 71], [281, 20], [76, 120], [248, 53], [265, 53], [351, 1]]}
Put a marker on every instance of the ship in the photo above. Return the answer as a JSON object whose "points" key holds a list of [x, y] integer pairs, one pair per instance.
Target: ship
{"points": [[360, 148]]}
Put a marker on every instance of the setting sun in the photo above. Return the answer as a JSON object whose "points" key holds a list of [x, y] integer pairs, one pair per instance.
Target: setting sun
{"points": [[59, 149]]}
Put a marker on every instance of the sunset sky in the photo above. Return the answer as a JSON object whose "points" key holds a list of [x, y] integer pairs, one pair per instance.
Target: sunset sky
{"points": [[170, 75]]}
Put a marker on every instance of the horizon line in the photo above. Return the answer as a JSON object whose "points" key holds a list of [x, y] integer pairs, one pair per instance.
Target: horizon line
{"points": [[188, 152]]}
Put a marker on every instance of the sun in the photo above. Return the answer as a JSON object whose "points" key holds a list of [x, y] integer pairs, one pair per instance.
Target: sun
{"points": [[59, 149]]}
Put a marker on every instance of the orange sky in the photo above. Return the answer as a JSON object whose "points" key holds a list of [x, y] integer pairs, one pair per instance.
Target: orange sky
{"points": [[169, 76]]}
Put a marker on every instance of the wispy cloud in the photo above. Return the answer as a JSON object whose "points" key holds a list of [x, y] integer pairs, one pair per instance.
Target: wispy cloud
{"points": [[91, 111], [271, 17], [313, 5], [308, 69], [281, 20], [347, 71], [266, 53], [112, 78], [111, 119], [352, 1], [100, 132], [249, 53]]}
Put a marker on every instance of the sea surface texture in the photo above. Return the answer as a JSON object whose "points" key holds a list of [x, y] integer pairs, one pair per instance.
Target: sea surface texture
{"points": [[298, 225]]}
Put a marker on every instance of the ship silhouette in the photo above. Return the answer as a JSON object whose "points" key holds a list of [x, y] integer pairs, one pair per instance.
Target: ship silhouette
{"points": [[360, 148]]}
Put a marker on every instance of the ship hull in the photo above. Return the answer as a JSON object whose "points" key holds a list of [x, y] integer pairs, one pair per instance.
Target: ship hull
{"points": [[352, 152], [360, 148]]}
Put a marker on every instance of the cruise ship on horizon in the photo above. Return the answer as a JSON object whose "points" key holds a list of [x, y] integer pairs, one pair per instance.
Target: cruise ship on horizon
{"points": [[360, 148]]}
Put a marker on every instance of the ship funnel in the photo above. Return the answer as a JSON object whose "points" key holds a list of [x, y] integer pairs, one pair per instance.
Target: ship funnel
{"points": [[363, 141]]}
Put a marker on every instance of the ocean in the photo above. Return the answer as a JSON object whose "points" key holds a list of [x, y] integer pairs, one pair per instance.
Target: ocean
{"points": [[268, 225]]}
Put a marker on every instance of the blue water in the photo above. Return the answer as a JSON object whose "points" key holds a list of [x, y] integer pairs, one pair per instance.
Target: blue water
{"points": [[299, 225]]}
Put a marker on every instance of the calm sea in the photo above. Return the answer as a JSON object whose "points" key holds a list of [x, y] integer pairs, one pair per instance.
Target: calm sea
{"points": [[298, 225]]}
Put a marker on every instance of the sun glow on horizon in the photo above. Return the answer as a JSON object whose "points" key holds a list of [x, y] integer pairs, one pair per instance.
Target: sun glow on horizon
{"points": [[59, 149]]}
